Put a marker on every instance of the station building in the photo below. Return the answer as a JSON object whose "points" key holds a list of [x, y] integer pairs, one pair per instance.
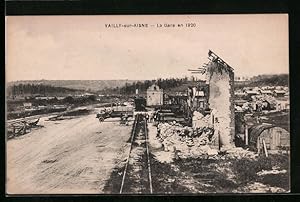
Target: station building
{"points": [[155, 96]]}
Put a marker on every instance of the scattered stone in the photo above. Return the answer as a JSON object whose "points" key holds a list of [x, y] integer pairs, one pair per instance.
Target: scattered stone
{"points": [[164, 157], [195, 142], [270, 172], [200, 121], [257, 187]]}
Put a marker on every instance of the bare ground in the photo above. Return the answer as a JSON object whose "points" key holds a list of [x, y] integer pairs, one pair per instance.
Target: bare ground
{"points": [[66, 156]]}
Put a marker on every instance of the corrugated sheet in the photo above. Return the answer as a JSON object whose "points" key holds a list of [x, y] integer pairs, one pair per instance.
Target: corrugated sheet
{"points": [[256, 130]]}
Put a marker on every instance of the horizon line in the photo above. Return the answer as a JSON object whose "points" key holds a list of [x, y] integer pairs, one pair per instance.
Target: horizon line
{"points": [[122, 79]]}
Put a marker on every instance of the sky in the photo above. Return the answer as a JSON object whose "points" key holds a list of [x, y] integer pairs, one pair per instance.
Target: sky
{"points": [[82, 48]]}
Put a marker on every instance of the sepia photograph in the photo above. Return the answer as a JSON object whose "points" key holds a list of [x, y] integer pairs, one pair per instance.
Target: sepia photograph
{"points": [[147, 104]]}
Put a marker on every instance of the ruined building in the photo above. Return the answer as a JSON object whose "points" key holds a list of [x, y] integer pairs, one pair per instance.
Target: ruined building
{"points": [[220, 80], [220, 77], [197, 97]]}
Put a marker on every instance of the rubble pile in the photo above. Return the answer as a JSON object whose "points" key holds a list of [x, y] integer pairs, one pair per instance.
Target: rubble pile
{"points": [[200, 121], [247, 106], [257, 187], [238, 153], [186, 141]]}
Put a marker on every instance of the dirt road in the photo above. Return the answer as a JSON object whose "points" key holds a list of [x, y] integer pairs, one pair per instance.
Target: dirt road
{"points": [[67, 156]]}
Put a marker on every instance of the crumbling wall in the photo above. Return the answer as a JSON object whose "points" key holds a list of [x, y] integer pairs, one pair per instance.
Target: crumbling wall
{"points": [[221, 101]]}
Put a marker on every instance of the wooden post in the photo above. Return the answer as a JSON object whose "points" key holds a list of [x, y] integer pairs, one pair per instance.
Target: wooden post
{"points": [[246, 135], [265, 148], [24, 129], [258, 145]]}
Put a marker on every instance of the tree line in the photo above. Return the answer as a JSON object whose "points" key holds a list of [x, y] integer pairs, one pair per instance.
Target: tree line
{"points": [[142, 86], [271, 80], [41, 89]]}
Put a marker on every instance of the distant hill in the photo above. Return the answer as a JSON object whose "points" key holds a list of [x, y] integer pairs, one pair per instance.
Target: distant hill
{"points": [[29, 89], [129, 86], [265, 80], [86, 85], [271, 80]]}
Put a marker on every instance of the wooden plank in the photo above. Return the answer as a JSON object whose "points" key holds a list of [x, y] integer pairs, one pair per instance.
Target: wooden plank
{"points": [[258, 145], [265, 148], [246, 135]]}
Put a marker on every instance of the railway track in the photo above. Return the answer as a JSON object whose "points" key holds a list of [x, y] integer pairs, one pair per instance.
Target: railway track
{"points": [[137, 172]]}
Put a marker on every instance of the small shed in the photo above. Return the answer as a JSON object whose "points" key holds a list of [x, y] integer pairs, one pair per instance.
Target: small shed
{"points": [[279, 93], [274, 137]]}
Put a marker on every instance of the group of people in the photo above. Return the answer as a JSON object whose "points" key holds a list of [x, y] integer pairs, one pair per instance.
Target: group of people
{"points": [[154, 117], [124, 118], [158, 117]]}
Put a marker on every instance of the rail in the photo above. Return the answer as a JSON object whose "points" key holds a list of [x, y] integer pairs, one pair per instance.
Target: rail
{"points": [[131, 145], [134, 169]]}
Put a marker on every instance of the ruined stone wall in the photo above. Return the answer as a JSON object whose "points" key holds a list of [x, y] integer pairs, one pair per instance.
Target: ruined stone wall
{"points": [[232, 109], [221, 101]]}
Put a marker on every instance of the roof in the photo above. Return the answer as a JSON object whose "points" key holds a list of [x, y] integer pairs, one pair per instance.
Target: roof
{"points": [[199, 93], [279, 91], [266, 92], [285, 99], [238, 109], [154, 87], [252, 92], [239, 93], [178, 94], [240, 101], [256, 130]]}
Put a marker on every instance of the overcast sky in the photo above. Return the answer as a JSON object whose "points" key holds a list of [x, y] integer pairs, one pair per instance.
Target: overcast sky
{"points": [[80, 47]]}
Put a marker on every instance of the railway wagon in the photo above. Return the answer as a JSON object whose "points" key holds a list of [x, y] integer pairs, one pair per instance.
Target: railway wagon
{"points": [[140, 104], [121, 110]]}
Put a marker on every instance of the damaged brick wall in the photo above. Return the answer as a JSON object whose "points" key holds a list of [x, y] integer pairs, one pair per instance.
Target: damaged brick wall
{"points": [[221, 101]]}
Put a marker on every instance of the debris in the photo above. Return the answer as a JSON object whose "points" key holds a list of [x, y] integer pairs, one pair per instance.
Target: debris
{"points": [[196, 141], [186, 140], [34, 123], [239, 152], [212, 152], [271, 172], [21, 127], [164, 157], [200, 121], [258, 187], [171, 180]]}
